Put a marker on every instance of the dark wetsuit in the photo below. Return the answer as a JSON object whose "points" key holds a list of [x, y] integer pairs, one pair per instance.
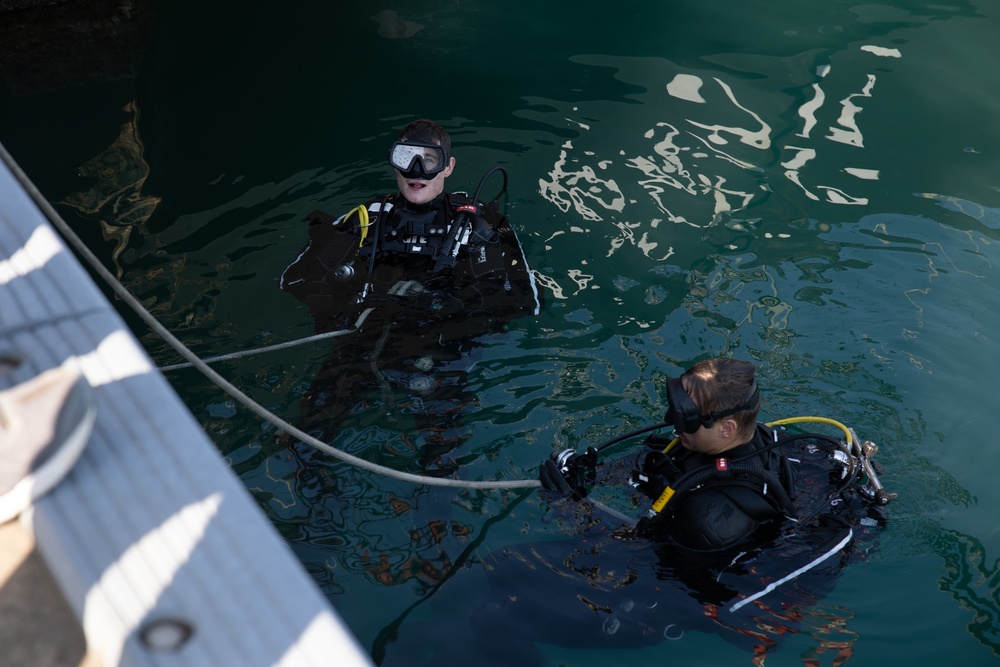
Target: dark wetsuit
{"points": [[722, 502], [489, 270]]}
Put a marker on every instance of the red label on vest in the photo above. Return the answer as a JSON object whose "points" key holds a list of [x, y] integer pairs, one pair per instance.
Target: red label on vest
{"points": [[468, 208], [721, 464]]}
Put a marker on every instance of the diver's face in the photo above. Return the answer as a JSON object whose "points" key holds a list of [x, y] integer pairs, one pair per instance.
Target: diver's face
{"points": [[706, 440], [417, 191]]}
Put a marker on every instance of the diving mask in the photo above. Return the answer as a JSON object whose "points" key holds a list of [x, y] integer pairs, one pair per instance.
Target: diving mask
{"points": [[418, 161], [685, 415]]}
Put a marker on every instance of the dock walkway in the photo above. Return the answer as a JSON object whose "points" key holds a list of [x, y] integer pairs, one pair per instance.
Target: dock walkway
{"points": [[151, 538]]}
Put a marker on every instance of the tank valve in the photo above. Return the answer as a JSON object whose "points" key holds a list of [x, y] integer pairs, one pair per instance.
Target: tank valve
{"points": [[882, 497]]}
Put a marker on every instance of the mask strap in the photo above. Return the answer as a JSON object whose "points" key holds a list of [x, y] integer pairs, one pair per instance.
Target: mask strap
{"points": [[750, 401], [685, 415]]}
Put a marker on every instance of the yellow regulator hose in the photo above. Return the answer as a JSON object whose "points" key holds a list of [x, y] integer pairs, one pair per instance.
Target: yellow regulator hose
{"points": [[363, 222]]}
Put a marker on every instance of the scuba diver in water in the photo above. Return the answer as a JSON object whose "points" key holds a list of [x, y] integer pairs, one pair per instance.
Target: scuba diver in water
{"points": [[420, 275], [738, 485], [738, 529], [413, 280], [725, 483], [445, 251]]}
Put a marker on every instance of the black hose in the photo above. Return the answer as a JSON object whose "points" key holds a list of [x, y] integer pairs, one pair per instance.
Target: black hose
{"points": [[371, 260], [482, 182], [631, 434], [447, 251]]}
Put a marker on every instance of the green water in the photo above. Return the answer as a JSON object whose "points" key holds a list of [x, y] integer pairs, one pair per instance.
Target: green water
{"points": [[811, 186]]}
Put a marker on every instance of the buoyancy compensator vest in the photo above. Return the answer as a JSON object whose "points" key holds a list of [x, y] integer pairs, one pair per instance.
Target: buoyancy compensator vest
{"points": [[715, 502], [425, 230]]}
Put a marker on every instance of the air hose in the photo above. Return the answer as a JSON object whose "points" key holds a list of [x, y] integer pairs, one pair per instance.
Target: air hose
{"points": [[848, 435], [862, 452], [363, 219]]}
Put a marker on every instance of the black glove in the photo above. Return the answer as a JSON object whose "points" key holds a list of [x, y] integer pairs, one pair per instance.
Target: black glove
{"points": [[568, 473], [552, 479]]}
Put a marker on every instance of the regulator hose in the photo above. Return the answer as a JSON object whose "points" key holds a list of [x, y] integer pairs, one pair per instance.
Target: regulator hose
{"points": [[449, 249]]}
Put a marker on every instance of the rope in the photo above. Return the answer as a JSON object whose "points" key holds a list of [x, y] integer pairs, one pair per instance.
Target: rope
{"points": [[277, 346], [193, 359], [624, 518]]}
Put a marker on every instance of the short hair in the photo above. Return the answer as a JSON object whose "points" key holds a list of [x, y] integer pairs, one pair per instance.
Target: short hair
{"points": [[425, 131], [719, 385]]}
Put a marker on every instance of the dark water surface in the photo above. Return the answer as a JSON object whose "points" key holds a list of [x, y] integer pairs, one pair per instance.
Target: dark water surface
{"points": [[812, 186]]}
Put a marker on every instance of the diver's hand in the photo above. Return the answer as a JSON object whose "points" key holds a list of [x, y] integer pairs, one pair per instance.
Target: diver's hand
{"points": [[568, 473]]}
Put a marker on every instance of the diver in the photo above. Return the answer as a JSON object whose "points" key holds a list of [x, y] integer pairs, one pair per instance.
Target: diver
{"points": [[742, 484], [742, 528], [428, 252], [418, 276], [731, 486], [421, 274], [416, 281]]}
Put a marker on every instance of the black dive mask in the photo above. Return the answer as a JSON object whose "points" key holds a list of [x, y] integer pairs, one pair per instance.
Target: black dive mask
{"points": [[685, 416], [418, 161]]}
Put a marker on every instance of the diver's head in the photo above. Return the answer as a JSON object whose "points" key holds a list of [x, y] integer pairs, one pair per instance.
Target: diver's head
{"points": [[713, 406], [422, 160]]}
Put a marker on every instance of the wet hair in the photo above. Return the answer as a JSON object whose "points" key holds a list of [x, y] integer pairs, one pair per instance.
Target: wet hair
{"points": [[425, 131], [719, 385]]}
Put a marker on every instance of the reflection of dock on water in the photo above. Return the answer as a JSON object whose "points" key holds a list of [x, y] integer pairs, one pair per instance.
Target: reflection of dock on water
{"points": [[154, 542]]}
